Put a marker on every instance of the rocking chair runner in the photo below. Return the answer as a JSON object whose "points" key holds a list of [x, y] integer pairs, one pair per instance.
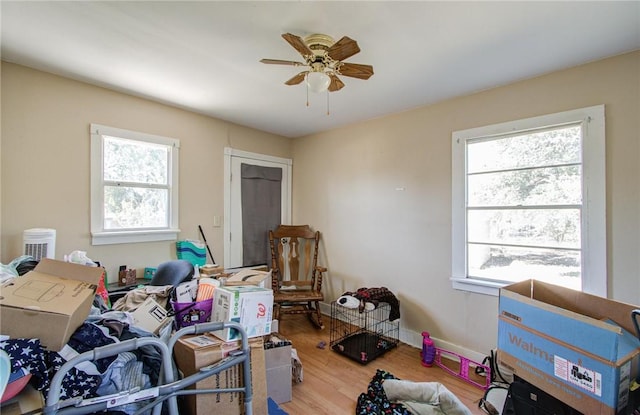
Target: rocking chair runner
{"points": [[296, 277]]}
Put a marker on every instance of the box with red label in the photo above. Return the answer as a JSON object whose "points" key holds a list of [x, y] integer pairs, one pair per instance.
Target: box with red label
{"points": [[250, 306]]}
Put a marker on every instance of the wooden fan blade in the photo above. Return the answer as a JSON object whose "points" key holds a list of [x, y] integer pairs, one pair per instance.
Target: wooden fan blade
{"points": [[297, 79], [281, 62], [336, 84], [298, 44], [356, 70], [343, 48]]}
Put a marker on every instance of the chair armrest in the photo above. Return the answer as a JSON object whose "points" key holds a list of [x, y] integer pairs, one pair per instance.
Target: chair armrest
{"points": [[317, 281]]}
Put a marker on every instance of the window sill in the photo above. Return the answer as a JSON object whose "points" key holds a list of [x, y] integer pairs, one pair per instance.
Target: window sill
{"points": [[477, 286], [125, 237]]}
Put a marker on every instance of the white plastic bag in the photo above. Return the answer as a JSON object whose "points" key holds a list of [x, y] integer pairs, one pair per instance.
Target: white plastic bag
{"points": [[80, 257]]}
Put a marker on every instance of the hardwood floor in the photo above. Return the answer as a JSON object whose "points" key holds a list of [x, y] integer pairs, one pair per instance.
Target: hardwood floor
{"points": [[333, 382]]}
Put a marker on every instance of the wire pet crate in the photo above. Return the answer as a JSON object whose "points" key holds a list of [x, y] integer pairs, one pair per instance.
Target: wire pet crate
{"points": [[363, 336]]}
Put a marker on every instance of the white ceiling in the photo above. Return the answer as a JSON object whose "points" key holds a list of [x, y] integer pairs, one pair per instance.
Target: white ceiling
{"points": [[204, 56]]}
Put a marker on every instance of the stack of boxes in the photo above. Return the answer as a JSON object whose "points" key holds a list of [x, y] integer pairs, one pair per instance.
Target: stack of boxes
{"points": [[194, 352], [242, 299]]}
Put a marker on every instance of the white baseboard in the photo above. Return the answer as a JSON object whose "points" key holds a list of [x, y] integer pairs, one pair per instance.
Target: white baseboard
{"points": [[325, 309], [414, 339]]}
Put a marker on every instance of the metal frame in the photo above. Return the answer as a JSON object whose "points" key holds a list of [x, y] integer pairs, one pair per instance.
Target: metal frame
{"points": [[168, 388]]}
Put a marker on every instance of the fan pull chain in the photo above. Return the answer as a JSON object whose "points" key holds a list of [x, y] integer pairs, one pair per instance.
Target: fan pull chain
{"points": [[307, 85], [327, 102]]}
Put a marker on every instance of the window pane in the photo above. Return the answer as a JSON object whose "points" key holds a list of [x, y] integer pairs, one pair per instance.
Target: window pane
{"points": [[133, 208], [536, 149], [135, 161], [534, 187], [537, 227], [518, 264]]}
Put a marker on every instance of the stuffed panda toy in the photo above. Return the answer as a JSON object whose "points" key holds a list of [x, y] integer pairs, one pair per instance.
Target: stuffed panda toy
{"points": [[348, 300], [366, 299]]}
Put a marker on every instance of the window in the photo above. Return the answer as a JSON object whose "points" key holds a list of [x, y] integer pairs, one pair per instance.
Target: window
{"points": [[134, 186], [528, 202]]}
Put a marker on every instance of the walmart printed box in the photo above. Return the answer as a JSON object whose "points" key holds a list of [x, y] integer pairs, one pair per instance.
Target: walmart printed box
{"points": [[249, 305], [574, 346]]}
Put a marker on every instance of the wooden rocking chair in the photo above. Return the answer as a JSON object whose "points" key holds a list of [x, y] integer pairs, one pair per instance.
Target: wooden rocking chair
{"points": [[296, 277]]}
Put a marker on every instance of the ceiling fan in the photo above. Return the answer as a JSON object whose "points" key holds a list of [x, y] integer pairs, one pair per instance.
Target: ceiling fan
{"points": [[323, 58]]}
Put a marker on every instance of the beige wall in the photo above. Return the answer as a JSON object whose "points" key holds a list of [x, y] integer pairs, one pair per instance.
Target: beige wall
{"points": [[45, 163], [380, 192]]}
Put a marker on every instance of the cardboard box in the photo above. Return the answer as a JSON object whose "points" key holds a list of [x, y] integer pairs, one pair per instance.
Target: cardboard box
{"points": [[28, 401], [50, 302], [250, 306], [211, 270], [575, 346], [250, 277], [278, 365], [151, 316], [193, 352]]}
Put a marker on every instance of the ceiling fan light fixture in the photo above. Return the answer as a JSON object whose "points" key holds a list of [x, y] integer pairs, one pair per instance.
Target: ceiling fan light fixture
{"points": [[323, 58], [318, 81]]}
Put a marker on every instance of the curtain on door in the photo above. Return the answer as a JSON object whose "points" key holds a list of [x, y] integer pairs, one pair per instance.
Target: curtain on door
{"points": [[261, 211]]}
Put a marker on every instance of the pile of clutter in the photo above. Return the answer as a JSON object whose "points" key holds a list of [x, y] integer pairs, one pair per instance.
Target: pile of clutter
{"points": [[192, 301]]}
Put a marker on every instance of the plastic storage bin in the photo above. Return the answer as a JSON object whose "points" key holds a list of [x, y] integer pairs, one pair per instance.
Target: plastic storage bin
{"points": [[192, 251], [188, 314]]}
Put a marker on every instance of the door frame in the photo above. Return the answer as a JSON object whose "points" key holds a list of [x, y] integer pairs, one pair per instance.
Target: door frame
{"points": [[231, 154]]}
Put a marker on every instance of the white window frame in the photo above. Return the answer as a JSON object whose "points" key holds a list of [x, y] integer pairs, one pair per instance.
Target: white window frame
{"points": [[100, 236], [593, 244]]}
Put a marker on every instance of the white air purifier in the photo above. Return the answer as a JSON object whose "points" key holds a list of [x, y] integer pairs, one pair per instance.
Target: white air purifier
{"points": [[39, 243]]}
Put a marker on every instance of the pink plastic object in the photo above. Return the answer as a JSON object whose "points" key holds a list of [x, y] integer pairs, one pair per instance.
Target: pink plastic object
{"points": [[428, 353], [463, 372], [15, 387]]}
